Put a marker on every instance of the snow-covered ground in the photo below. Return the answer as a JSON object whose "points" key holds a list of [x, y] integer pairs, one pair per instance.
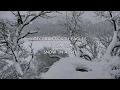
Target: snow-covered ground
{"points": [[77, 68], [66, 68]]}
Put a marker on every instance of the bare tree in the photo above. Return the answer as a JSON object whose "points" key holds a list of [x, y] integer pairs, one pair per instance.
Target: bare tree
{"points": [[92, 47], [12, 33], [113, 17], [74, 30], [105, 36]]}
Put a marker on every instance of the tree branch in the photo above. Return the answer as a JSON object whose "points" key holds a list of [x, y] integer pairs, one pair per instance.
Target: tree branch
{"points": [[42, 13], [26, 35], [114, 23], [13, 13]]}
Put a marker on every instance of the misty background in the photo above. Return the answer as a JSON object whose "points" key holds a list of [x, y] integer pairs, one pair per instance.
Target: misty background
{"points": [[51, 27]]}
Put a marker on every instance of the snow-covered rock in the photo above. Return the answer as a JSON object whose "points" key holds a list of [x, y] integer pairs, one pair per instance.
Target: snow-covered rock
{"points": [[77, 68]]}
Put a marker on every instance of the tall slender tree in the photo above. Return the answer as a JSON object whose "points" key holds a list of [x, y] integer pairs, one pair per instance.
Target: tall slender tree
{"points": [[12, 33], [74, 30], [113, 17]]}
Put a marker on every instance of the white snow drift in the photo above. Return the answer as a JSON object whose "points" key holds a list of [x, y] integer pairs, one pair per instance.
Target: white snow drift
{"points": [[77, 68]]}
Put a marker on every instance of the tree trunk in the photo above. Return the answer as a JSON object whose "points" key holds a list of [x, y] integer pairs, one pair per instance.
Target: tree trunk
{"points": [[18, 68], [17, 64], [77, 51], [111, 46]]}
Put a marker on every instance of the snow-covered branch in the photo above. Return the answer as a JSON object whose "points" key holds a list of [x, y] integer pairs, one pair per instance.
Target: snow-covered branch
{"points": [[40, 14], [28, 33]]}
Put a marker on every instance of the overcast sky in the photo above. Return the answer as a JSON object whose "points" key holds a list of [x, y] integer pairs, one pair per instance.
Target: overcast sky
{"points": [[87, 15]]}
